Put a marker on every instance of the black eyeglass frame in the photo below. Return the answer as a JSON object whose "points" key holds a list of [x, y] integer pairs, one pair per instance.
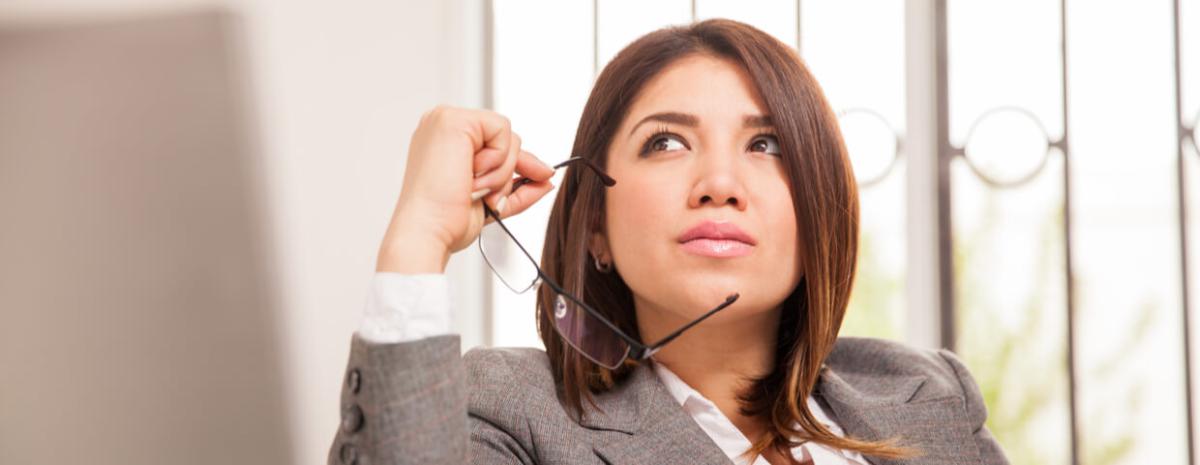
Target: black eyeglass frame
{"points": [[636, 350]]}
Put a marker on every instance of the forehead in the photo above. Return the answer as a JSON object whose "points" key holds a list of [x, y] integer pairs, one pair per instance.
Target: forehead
{"points": [[709, 87]]}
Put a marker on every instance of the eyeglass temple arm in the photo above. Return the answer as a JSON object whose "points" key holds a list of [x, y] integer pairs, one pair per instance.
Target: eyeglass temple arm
{"points": [[587, 308], [604, 177], [662, 342], [549, 282], [607, 180]]}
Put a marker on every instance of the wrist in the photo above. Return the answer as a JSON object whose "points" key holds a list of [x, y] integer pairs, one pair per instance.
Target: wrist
{"points": [[412, 257], [411, 260]]}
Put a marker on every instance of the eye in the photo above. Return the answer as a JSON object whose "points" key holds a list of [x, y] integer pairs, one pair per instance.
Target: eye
{"points": [[663, 142], [765, 143]]}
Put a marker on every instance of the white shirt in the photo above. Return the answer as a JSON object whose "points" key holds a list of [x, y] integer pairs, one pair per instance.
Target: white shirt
{"points": [[734, 443], [407, 307]]}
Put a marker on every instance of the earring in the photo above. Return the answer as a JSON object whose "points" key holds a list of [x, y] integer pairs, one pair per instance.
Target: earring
{"points": [[605, 268]]}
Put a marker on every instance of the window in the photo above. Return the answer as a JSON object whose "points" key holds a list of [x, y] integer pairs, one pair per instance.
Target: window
{"points": [[1068, 215]]}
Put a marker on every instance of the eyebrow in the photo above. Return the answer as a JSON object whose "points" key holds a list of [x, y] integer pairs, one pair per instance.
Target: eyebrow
{"points": [[691, 121]]}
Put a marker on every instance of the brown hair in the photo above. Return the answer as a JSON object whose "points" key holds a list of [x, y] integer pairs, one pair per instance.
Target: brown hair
{"points": [[824, 195]]}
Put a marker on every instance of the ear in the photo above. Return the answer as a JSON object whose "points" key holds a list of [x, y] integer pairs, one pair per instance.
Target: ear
{"points": [[598, 246]]}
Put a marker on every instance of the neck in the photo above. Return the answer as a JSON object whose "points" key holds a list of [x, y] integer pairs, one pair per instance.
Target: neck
{"points": [[718, 357]]}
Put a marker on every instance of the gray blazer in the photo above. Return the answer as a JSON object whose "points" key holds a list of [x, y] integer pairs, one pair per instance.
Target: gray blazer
{"points": [[421, 402]]}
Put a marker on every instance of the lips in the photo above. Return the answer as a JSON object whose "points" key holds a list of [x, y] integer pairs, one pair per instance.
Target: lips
{"points": [[717, 239], [709, 229]]}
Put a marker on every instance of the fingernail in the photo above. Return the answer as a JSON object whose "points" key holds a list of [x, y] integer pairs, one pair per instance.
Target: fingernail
{"points": [[501, 204], [551, 168], [479, 194]]}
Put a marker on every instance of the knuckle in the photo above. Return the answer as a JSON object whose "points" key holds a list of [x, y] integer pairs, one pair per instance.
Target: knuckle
{"points": [[435, 115], [516, 143], [505, 122]]}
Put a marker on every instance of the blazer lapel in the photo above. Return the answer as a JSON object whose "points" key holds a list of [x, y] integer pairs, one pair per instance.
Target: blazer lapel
{"points": [[876, 407], [649, 426]]}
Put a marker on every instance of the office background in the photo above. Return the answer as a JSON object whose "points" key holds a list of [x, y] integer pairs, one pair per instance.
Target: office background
{"points": [[192, 193]]}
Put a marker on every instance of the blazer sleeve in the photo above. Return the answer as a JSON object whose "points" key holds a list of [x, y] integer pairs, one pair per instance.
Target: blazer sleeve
{"points": [[406, 403], [989, 448]]}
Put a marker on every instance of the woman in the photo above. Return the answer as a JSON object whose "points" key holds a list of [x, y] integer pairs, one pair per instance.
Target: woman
{"points": [[709, 171]]}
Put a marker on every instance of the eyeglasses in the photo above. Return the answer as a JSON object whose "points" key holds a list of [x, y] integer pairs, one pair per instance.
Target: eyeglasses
{"points": [[584, 328]]}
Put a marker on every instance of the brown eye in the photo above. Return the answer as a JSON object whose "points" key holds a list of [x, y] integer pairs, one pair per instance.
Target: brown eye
{"points": [[766, 144], [663, 143]]}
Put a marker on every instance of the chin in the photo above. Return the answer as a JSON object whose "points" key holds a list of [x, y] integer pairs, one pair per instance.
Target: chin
{"points": [[710, 288]]}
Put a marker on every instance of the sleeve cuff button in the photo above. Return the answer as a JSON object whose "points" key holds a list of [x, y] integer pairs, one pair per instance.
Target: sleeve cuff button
{"points": [[354, 380], [352, 419]]}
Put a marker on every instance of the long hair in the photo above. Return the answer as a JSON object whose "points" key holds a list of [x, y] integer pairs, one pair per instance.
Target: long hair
{"points": [[824, 196]]}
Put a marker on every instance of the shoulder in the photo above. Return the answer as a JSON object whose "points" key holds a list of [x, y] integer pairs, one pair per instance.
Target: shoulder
{"points": [[525, 365], [506, 388], [870, 358], [865, 371], [499, 377]]}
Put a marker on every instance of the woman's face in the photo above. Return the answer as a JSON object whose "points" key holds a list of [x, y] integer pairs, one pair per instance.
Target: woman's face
{"points": [[695, 148]]}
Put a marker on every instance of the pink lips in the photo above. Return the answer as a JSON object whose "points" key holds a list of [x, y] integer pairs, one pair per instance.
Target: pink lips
{"points": [[717, 239]]}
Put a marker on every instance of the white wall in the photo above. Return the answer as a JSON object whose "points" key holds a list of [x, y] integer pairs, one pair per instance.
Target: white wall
{"points": [[341, 90], [336, 89]]}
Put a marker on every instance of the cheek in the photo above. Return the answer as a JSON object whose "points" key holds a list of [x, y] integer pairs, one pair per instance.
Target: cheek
{"points": [[783, 217], [785, 235], [638, 215]]}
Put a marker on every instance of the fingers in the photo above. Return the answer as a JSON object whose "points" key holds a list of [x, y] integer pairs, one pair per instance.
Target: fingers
{"points": [[499, 175], [500, 180], [529, 192], [531, 167], [498, 157], [487, 160], [528, 166], [490, 130], [525, 197]]}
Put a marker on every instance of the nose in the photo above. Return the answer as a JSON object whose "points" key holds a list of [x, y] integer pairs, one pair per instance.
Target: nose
{"points": [[718, 184]]}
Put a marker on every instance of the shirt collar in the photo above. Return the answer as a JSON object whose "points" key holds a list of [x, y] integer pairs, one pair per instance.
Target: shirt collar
{"points": [[685, 394], [680, 391], [693, 402]]}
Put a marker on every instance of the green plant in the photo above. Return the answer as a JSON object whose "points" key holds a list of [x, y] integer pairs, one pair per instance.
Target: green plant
{"points": [[1022, 371], [1021, 368], [871, 312]]}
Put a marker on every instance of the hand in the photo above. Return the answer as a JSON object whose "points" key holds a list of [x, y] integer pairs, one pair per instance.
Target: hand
{"points": [[457, 159]]}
